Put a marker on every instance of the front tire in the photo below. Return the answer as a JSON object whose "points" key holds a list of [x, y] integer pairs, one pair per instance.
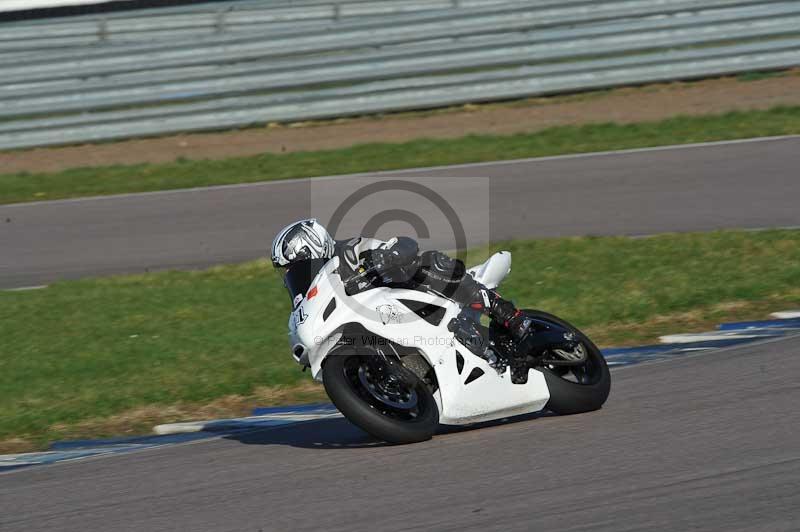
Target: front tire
{"points": [[345, 383], [590, 389]]}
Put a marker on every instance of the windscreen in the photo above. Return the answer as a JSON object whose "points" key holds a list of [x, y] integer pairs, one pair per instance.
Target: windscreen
{"points": [[299, 275]]}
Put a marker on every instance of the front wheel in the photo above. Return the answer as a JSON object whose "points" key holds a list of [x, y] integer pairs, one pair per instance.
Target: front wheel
{"points": [[396, 408], [575, 389]]}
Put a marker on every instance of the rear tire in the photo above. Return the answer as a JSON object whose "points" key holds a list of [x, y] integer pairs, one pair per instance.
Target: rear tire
{"points": [[370, 416], [567, 397]]}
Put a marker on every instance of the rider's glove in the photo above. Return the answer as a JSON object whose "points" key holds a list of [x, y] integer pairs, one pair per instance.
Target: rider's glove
{"points": [[396, 262], [379, 259], [401, 252]]}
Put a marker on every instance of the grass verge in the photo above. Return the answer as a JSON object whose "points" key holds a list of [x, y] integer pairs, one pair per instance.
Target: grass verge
{"points": [[560, 140], [111, 356]]}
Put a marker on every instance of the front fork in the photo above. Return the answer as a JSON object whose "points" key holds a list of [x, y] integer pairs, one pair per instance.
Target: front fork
{"points": [[385, 361]]}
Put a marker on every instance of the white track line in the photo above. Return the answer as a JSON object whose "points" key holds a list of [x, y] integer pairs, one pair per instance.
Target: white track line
{"points": [[268, 420], [414, 170], [690, 338], [786, 315]]}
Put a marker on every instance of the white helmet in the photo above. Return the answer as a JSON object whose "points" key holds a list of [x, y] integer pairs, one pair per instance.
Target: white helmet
{"points": [[302, 240]]}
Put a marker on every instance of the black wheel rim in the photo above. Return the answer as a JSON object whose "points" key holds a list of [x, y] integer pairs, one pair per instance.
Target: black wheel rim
{"points": [[588, 373], [384, 391]]}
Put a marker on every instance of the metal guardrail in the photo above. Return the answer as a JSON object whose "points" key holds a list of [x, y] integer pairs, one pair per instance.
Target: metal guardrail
{"points": [[406, 61], [436, 23], [228, 80], [210, 19]]}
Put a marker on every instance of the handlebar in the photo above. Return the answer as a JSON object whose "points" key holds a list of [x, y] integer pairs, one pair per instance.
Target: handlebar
{"points": [[349, 283]]}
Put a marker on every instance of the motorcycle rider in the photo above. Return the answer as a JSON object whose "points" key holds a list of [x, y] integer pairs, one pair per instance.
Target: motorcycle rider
{"points": [[398, 263]]}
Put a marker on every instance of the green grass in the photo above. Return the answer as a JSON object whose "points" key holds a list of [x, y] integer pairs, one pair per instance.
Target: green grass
{"points": [[91, 349], [758, 76], [372, 157]]}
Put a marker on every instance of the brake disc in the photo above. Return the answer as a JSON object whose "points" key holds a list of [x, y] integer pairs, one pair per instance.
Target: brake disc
{"points": [[576, 355]]}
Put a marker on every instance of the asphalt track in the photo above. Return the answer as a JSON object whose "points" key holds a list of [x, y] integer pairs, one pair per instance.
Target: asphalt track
{"points": [[705, 442], [751, 184]]}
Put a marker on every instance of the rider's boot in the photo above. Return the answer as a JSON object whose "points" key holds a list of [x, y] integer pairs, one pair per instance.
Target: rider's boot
{"points": [[449, 276], [504, 313]]}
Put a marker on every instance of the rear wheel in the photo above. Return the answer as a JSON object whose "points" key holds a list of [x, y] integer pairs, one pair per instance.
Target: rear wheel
{"points": [[387, 402], [575, 388]]}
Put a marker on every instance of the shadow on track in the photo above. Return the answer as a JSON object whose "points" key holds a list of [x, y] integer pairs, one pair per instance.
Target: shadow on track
{"points": [[341, 434], [324, 434]]}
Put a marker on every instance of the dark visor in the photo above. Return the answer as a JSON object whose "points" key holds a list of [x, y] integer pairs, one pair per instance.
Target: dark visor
{"points": [[299, 275]]}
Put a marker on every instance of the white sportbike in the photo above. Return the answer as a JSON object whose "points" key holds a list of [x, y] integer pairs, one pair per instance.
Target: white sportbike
{"points": [[391, 366]]}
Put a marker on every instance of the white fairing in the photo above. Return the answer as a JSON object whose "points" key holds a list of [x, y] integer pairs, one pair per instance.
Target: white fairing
{"points": [[492, 272], [489, 396]]}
